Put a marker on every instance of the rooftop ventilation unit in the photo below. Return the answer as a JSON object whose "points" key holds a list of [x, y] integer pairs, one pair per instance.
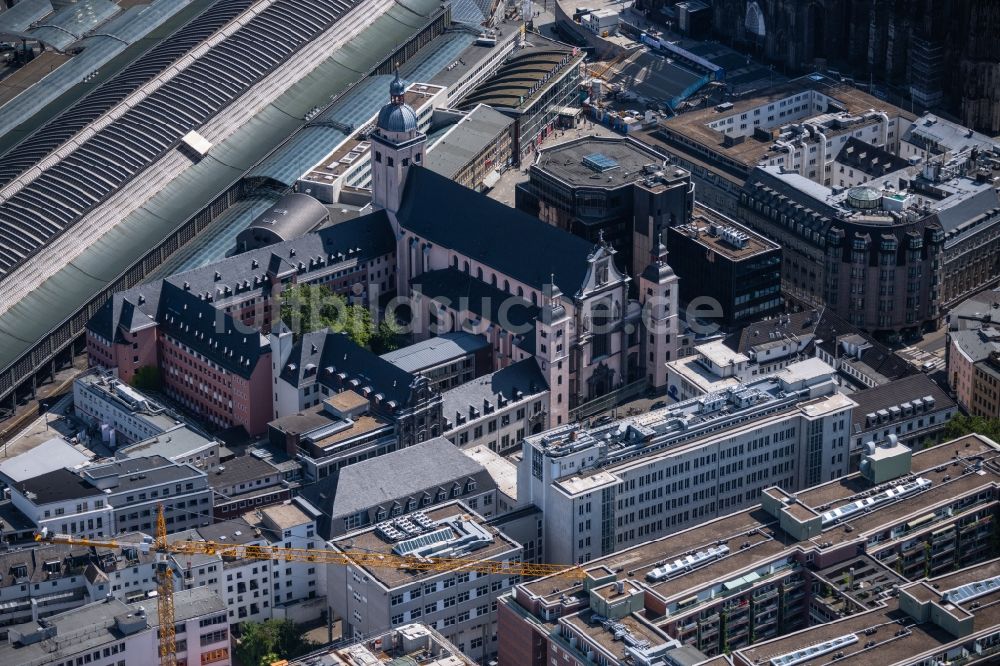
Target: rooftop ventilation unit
{"points": [[687, 563], [813, 651], [971, 591], [859, 506]]}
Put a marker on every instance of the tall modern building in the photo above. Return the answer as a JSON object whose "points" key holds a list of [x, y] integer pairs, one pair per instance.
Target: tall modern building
{"points": [[717, 258], [618, 189]]}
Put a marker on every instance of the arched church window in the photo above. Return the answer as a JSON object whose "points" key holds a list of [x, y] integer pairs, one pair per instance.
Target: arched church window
{"points": [[378, 156], [454, 262], [479, 273], [755, 20]]}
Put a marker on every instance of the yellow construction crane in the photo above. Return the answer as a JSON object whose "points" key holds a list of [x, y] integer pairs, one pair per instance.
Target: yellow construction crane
{"points": [[165, 589], [165, 595]]}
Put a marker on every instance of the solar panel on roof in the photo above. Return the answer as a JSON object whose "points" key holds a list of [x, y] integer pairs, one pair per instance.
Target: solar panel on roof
{"points": [[600, 162]]}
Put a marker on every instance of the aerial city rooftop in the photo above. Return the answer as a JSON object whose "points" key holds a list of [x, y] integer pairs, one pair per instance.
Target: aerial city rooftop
{"points": [[448, 333]]}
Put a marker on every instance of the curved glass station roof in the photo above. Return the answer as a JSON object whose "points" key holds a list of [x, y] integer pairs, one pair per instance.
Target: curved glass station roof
{"points": [[102, 262], [66, 191], [91, 53]]}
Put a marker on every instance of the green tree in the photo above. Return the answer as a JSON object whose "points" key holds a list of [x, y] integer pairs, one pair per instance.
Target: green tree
{"points": [[358, 324], [387, 336], [253, 644], [146, 378], [959, 426], [263, 643], [306, 308]]}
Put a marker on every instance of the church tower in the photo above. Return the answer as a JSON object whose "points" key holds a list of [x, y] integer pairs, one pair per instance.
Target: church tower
{"points": [[552, 353], [396, 145], [658, 295]]}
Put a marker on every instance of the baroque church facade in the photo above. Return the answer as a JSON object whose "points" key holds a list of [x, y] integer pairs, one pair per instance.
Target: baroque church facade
{"points": [[467, 262]]}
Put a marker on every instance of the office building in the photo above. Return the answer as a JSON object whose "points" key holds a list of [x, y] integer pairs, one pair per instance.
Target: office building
{"points": [[49, 456], [859, 359], [617, 189], [48, 579], [874, 265], [111, 632], [800, 125], [123, 414], [888, 254], [717, 258], [321, 365], [602, 489], [341, 431], [832, 561], [475, 150], [181, 444], [102, 500], [297, 588], [245, 483], [460, 605], [914, 409]]}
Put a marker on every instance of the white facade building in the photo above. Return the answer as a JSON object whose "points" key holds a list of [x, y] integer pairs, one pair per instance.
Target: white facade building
{"points": [[461, 606], [618, 485], [113, 633], [104, 401]]}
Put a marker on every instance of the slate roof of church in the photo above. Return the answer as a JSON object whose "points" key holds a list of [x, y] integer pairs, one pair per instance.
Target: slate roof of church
{"points": [[496, 235]]}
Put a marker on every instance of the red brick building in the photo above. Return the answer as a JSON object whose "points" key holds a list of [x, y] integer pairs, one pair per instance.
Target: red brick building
{"points": [[205, 329]]}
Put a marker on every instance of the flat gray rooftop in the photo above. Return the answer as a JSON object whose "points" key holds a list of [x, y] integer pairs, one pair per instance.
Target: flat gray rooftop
{"points": [[598, 161]]}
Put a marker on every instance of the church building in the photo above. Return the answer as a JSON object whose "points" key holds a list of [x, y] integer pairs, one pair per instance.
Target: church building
{"points": [[471, 263]]}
